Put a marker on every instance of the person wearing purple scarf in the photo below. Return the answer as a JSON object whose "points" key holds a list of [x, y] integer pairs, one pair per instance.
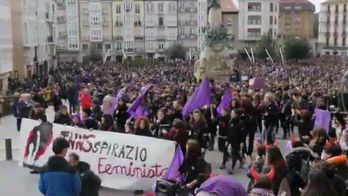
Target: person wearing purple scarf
{"points": [[221, 186]]}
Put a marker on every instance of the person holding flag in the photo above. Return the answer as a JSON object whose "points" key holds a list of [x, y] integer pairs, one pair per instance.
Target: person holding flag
{"points": [[222, 124]]}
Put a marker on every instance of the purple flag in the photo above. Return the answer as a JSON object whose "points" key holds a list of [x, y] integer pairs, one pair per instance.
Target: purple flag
{"points": [[225, 100], [322, 119], [199, 98], [173, 169], [119, 95], [137, 109], [223, 186]]}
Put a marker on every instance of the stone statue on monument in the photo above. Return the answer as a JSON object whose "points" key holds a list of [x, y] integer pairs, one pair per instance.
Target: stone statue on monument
{"points": [[214, 61]]}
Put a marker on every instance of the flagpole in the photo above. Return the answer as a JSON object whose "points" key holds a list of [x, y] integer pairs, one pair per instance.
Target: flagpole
{"points": [[248, 55], [252, 55], [281, 55], [269, 56]]}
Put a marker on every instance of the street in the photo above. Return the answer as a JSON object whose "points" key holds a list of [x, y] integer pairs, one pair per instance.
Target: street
{"points": [[17, 181]]}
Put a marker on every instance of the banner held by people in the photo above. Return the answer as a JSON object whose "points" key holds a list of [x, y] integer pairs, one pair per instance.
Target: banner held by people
{"points": [[122, 161]]}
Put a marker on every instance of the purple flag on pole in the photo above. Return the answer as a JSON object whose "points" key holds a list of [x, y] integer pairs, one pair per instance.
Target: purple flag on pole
{"points": [[137, 109], [173, 169], [199, 98], [225, 101], [119, 95], [322, 119]]}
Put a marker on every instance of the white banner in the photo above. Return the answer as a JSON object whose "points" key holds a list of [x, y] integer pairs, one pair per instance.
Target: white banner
{"points": [[122, 161]]}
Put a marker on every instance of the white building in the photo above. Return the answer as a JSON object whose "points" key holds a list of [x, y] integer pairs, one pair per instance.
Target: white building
{"points": [[5, 37], [68, 39], [6, 45], [257, 18], [38, 20], [202, 21], [161, 26], [128, 28], [188, 26], [333, 27]]}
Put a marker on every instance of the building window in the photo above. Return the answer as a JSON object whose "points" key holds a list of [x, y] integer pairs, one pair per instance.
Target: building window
{"points": [[160, 21], [343, 41], [254, 7], [254, 33], [336, 10], [270, 31], [160, 46], [84, 47], [270, 20], [128, 45], [271, 7], [118, 46], [128, 7], [107, 46], [335, 41], [100, 46], [137, 9], [160, 7], [118, 9], [345, 8], [328, 8], [71, 2], [254, 20]]}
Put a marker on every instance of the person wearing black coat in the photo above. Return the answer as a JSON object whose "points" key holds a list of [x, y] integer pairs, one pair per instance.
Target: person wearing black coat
{"points": [[162, 125], [72, 94], [90, 183], [270, 116], [107, 123], [285, 115], [57, 102], [249, 118], [20, 109], [222, 124], [96, 111], [209, 116], [89, 122], [121, 115], [234, 137]]}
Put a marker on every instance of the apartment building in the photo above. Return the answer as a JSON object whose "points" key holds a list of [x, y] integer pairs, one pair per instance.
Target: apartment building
{"points": [[202, 22], [128, 29], [39, 31], [257, 18], [188, 26], [230, 22], [296, 19], [161, 26], [333, 27], [6, 45], [68, 38]]}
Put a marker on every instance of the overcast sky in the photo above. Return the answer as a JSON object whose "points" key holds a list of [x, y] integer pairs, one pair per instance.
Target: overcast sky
{"points": [[317, 4]]}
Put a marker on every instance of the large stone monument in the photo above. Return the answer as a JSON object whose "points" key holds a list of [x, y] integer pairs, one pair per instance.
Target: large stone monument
{"points": [[214, 61]]}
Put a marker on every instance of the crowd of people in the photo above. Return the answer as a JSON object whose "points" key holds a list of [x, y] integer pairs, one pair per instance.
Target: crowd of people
{"points": [[99, 97]]}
